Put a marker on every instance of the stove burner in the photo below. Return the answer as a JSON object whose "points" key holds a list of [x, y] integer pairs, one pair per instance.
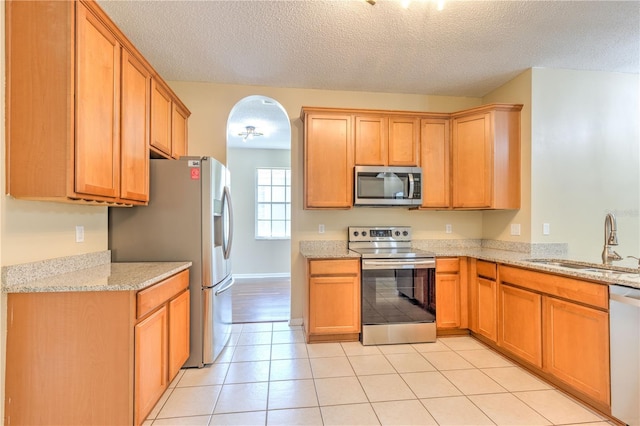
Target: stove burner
{"points": [[384, 242]]}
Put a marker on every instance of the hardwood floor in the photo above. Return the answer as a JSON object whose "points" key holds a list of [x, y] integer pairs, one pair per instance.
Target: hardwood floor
{"points": [[261, 299]]}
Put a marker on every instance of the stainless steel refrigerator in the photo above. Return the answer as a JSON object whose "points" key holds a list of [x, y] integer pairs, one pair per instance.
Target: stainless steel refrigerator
{"points": [[189, 217]]}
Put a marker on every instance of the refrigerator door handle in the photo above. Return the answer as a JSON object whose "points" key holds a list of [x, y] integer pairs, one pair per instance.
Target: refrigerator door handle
{"points": [[225, 288], [226, 200]]}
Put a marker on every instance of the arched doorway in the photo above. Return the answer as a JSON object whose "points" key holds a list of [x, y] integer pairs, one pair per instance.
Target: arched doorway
{"points": [[259, 158]]}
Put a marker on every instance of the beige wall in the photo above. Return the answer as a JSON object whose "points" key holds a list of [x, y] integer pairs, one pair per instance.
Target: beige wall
{"points": [[496, 224], [251, 256], [585, 159], [210, 105]]}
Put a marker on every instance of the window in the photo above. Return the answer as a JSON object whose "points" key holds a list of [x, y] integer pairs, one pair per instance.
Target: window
{"points": [[273, 203]]}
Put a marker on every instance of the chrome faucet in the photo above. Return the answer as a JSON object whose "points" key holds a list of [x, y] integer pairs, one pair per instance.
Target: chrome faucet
{"points": [[610, 239]]}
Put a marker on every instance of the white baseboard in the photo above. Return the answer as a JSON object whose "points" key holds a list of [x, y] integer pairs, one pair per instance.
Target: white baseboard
{"points": [[262, 276], [296, 321]]}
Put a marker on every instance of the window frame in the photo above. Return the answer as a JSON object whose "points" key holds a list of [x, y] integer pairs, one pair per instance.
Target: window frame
{"points": [[271, 203]]}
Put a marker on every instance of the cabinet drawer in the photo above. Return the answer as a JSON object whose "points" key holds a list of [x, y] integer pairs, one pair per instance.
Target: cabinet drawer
{"points": [[154, 296], [449, 264], [575, 290], [334, 267], [486, 269]]}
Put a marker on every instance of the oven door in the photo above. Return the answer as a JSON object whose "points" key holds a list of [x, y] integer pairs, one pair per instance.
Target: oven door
{"points": [[398, 291]]}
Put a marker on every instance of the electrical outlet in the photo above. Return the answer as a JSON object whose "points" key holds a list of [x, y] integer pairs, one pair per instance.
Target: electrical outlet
{"points": [[515, 229], [546, 230], [79, 234], [448, 229], [321, 228]]}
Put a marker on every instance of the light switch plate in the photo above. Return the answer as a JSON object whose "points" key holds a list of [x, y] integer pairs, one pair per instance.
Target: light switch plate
{"points": [[515, 229], [448, 229], [546, 229]]}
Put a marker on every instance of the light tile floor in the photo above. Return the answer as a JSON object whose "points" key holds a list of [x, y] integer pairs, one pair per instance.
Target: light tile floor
{"points": [[267, 375]]}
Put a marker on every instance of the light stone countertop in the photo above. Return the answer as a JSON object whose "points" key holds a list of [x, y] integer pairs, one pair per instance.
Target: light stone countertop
{"points": [[39, 277], [626, 276]]}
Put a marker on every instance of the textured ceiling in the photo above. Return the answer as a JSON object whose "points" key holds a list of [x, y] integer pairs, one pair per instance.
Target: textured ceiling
{"points": [[467, 49]]}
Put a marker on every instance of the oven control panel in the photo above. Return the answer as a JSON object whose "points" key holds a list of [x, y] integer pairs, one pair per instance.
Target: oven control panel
{"points": [[379, 233]]}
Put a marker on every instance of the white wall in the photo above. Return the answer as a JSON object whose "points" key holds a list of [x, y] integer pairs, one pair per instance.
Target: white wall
{"points": [[253, 256], [585, 159]]}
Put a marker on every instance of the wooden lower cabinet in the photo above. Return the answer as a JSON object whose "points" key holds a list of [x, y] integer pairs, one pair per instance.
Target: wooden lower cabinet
{"points": [[151, 362], [333, 311], [559, 327], [179, 313], [487, 323], [520, 323], [451, 295], [93, 357], [576, 347]]}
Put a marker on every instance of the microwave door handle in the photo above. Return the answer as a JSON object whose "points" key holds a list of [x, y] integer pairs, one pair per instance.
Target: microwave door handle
{"points": [[411, 185]]}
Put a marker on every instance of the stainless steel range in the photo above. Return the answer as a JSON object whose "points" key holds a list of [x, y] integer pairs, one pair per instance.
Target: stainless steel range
{"points": [[398, 286]]}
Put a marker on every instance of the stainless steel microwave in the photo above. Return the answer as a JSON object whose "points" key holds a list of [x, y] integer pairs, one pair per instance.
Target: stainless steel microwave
{"points": [[387, 186]]}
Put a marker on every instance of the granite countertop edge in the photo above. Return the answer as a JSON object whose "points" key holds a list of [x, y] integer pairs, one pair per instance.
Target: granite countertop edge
{"points": [[512, 258], [119, 276]]}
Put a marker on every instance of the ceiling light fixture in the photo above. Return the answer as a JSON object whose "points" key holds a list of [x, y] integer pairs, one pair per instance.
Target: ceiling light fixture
{"points": [[250, 132], [405, 3]]}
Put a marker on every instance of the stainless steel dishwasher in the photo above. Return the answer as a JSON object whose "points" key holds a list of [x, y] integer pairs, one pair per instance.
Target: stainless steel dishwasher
{"points": [[624, 324]]}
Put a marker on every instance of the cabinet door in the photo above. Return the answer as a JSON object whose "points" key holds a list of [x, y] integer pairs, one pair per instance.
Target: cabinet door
{"points": [[178, 333], [334, 304], [520, 320], [486, 310], [370, 141], [134, 132], [150, 362], [576, 347], [97, 107], [472, 155], [328, 167], [179, 131], [434, 159], [404, 136], [160, 117], [448, 300]]}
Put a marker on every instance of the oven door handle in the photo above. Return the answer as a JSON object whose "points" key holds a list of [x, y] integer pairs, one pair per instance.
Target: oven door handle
{"points": [[398, 264]]}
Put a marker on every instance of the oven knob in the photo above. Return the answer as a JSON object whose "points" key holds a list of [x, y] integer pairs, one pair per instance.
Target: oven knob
{"points": [[364, 233], [397, 233], [405, 233], [356, 233]]}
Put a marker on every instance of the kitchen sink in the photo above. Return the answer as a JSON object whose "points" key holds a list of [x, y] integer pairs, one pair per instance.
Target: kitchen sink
{"points": [[586, 267]]}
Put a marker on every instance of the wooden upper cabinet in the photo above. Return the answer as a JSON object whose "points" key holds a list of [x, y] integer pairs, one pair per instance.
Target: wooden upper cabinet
{"points": [[435, 161], [328, 160], [179, 117], [485, 153], [134, 133], [404, 141], [97, 109], [381, 140], [371, 140], [160, 117], [78, 106], [77, 122], [168, 122]]}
